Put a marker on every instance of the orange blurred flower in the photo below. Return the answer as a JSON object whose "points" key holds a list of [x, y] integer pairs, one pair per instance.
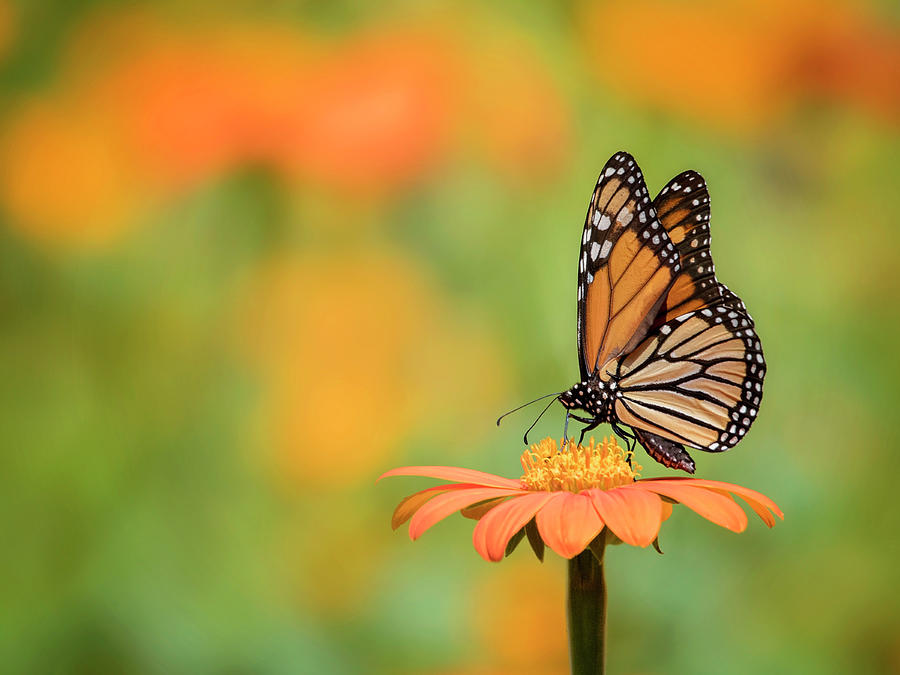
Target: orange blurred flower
{"points": [[845, 54], [376, 113], [717, 64], [368, 112], [150, 107], [740, 64], [196, 103], [571, 495]]}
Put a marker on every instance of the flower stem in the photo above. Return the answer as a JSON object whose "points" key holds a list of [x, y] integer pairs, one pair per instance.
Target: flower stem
{"points": [[587, 613]]}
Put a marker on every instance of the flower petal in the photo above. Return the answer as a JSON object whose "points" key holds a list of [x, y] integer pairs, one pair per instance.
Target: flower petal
{"points": [[761, 505], [443, 505], [409, 505], [757, 501], [494, 530], [633, 515], [758, 508], [666, 510], [455, 473], [477, 511], [710, 504], [568, 523]]}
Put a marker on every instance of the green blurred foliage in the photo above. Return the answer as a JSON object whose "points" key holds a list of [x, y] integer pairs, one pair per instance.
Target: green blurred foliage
{"points": [[162, 508]]}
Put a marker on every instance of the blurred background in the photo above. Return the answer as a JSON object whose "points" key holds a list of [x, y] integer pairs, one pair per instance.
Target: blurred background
{"points": [[254, 254]]}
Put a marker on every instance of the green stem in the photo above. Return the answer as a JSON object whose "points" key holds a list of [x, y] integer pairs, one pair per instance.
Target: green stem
{"points": [[587, 613]]}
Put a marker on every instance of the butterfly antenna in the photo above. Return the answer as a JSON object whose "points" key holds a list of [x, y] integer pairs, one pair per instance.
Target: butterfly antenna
{"points": [[525, 405], [546, 408]]}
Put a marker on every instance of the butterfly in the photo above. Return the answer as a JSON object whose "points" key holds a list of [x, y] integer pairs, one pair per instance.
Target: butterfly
{"points": [[664, 348]]}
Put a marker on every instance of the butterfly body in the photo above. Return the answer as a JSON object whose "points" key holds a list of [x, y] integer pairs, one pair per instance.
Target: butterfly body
{"points": [[595, 397], [664, 348]]}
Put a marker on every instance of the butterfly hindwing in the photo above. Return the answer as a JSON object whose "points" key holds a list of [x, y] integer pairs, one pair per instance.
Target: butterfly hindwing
{"points": [[626, 264], [697, 380]]}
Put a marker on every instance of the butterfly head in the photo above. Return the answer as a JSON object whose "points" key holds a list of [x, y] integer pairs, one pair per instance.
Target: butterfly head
{"points": [[595, 397]]}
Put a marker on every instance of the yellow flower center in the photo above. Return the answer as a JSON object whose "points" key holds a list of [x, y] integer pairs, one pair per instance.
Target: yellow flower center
{"points": [[577, 467]]}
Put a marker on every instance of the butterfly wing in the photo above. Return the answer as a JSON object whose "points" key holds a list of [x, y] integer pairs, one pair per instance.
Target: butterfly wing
{"points": [[733, 302], [697, 381], [683, 209], [626, 265]]}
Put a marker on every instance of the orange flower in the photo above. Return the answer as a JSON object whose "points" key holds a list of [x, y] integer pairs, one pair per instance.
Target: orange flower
{"points": [[571, 495], [375, 114]]}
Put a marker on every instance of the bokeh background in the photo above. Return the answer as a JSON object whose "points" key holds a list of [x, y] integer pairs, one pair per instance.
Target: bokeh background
{"points": [[254, 254]]}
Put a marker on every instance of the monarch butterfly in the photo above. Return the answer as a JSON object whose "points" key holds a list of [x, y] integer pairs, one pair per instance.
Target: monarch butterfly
{"points": [[663, 347]]}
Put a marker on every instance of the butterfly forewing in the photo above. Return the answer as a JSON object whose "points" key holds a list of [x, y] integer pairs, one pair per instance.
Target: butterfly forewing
{"points": [[683, 209], [697, 380], [626, 265]]}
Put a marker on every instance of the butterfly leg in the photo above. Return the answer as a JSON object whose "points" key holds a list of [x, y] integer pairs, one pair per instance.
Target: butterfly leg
{"points": [[592, 424], [627, 437], [566, 429]]}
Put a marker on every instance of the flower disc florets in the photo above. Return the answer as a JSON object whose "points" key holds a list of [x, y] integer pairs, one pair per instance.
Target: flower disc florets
{"points": [[576, 467]]}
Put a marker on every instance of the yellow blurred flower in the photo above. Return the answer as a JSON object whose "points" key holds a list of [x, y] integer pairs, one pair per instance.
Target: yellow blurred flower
{"points": [[64, 176], [7, 27], [312, 577], [519, 117], [358, 352], [523, 632]]}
